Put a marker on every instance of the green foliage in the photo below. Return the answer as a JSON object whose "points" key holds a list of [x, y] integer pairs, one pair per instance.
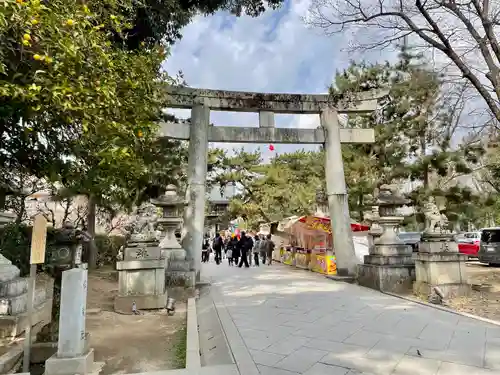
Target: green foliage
{"points": [[108, 247], [180, 348], [15, 245], [413, 131], [71, 103], [153, 21], [284, 187]]}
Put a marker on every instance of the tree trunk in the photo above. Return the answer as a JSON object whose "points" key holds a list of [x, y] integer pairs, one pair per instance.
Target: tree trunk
{"points": [[92, 249], [22, 210], [3, 198], [361, 208]]}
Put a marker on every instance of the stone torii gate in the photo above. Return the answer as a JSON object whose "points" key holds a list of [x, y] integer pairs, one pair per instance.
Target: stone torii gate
{"points": [[330, 134]]}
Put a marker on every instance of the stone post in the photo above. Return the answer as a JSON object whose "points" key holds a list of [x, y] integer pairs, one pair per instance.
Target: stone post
{"points": [[337, 195], [71, 342], [73, 354], [194, 215]]}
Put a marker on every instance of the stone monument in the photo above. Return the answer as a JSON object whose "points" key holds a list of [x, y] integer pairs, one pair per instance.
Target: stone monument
{"points": [[389, 265], [438, 262], [14, 296], [141, 272], [73, 353], [179, 270]]}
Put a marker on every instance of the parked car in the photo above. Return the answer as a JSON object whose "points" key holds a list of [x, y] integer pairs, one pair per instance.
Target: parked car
{"points": [[489, 246], [468, 243]]}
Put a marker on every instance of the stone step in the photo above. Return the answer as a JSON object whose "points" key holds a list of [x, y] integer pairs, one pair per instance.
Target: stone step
{"points": [[12, 288], [391, 250], [382, 260], [13, 326], [345, 279], [15, 305], [8, 272], [179, 265]]}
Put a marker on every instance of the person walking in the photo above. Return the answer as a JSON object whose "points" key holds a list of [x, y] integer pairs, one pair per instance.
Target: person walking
{"points": [[226, 243], [233, 246], [205, 249], [245, 245], [269, 250], [256, 250], [250, 254], [217, 246], [263, 249]]}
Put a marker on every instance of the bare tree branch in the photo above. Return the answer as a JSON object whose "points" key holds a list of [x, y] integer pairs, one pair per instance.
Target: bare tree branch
{"points": [[446, 25]]}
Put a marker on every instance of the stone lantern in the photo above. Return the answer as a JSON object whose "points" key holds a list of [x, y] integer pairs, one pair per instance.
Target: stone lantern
{"points": [[372, 217], [389, 265], [172, 207]]}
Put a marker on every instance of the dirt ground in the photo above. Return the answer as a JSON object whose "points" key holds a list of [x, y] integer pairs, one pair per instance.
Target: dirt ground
{"points": [[486, 301], [151, 341]]}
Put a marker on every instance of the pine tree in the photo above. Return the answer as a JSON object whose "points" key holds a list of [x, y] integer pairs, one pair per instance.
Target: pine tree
{"points": [[414, 131]]}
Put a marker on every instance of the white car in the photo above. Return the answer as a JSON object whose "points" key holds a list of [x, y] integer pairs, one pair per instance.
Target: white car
{"points": [[469, 237]]}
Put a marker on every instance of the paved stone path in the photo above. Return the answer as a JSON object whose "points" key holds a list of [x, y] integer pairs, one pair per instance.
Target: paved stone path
{"points": [[283, 321]]}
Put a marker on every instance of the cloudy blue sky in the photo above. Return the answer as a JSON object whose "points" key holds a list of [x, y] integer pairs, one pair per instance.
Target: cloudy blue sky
{"points": [[272, 53]]}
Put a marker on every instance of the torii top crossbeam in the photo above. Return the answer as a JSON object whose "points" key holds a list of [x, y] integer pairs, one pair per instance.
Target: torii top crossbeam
{"points": [[241, 101], [266, 104]]}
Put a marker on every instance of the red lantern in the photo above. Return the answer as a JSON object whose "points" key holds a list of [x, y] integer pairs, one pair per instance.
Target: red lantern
{"points": [[271, 148]]}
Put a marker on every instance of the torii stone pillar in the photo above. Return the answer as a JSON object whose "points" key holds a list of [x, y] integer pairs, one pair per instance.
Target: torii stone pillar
{"points": [[336, 191], [194, 214]]}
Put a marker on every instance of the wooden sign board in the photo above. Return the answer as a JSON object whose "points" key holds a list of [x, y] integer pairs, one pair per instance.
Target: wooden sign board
{"points": [[38, 240]]}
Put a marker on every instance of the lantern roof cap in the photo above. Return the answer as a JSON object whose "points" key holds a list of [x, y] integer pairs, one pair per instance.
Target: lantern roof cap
{"points": [[169, 198]]}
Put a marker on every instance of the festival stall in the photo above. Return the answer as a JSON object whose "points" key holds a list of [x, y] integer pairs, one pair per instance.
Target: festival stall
{"points": [[281, 239], [311, 244]]}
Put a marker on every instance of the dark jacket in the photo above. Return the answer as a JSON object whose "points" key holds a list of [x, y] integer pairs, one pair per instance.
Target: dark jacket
{"points": [[233, 245], [205, 246], [218, 243], [245, 244]]}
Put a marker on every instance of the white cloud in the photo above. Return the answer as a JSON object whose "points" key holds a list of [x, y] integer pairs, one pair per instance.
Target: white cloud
{"points": [[272, 53]]}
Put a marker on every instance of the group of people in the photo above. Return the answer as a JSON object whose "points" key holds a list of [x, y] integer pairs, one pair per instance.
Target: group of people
{"points": [[240, 251]]}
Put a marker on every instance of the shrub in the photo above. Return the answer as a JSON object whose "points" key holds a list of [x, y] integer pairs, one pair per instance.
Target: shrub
{"points": [[108, 247], [15, 244]]}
